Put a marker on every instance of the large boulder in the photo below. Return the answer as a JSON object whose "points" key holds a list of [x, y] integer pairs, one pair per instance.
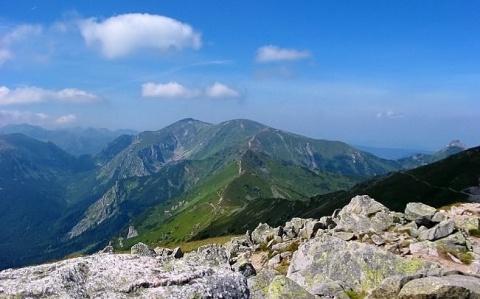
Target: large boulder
{"points": [[437, 283], [263, 233], [211, 255], [421, 213], [359, 266], [362, 215], [122, 276], [282, 287], [142, 250], [452, 286], [439, 231], [258, 284]]}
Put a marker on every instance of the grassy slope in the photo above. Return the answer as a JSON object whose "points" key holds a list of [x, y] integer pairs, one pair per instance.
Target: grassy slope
{"points": [[234, 200]]}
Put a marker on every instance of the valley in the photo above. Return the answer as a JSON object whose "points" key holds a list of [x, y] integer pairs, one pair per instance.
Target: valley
{"points": [[194, 180]]}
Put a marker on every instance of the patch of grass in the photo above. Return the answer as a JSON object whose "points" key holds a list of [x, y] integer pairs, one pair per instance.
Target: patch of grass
{"points": [[282, 268], [293, 246], [474, 233], [464, 256]]}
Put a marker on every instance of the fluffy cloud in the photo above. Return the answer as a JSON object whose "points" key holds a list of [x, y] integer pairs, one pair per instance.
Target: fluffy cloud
{"points": [[219, 90], [66, 119], [389, 114], [29, 95], [38, 118], [273, 53], [14, 36], [167, 90], [123, 34], [174, 90]]}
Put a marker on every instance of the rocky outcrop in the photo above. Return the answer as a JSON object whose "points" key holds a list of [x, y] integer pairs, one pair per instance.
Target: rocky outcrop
{"points": [[362, 249], [428, 284], [358, 266], [421, 213], [126, 276]]}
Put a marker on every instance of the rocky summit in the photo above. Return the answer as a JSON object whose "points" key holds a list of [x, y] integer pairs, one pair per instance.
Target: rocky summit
{"points": [[363, 250]]}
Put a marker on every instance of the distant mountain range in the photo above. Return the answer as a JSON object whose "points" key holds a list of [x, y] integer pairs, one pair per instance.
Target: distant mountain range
{"points": [[76, 141], [186, 181]]}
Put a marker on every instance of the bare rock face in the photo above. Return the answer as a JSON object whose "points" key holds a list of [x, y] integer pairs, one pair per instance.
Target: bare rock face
{"points": [[122, 276], [360, 266], [440, 284]]}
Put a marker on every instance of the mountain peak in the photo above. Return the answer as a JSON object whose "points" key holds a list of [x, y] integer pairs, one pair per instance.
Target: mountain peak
{"points": [[455, 143]]}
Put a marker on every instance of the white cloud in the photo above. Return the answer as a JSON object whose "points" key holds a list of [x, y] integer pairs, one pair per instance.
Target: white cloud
{"points": [[174, 90], [31, 94], [272, 53], [390, 114], [123, 34], [17, 34], [219, 90], [21, 32], [36, 118], [167, 90], [66, 119], [5, 55]]}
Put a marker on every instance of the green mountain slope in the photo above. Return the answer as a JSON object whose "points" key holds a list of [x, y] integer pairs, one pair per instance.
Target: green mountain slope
{"points": [[35, 178], [453, 179], [186, 181], [238, 161]]}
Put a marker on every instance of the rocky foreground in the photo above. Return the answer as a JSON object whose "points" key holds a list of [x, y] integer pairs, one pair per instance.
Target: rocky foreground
{"points": [[362, 250]]}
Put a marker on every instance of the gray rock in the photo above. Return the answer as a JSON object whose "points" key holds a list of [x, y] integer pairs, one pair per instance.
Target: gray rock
{"points": [[295, 225], [244, 267], [410, 228], [391, 286], [310, 228], [108, 249], [122, 276], [455, 242], [327, 222], [344, 235], [282, 287], [142, 250], [162, 251], [439, 231], [377, 240], [452, 286], [421, 213], [362, 215], [359, 266], [132, 232], [263, 233], [280, 247], [237, 245], [439, 217], [474, 268], [258, 285], [274, 261], [177, 252], [467, 223], [363, 205], [331, 289], [424, 248], [209, 255]]}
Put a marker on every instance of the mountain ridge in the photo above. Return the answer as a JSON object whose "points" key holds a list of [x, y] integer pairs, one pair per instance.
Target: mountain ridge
{"points": [[198, 176]]}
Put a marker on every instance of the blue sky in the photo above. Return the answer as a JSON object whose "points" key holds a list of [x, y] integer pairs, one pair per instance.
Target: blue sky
{"points": [[402, 74]]}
